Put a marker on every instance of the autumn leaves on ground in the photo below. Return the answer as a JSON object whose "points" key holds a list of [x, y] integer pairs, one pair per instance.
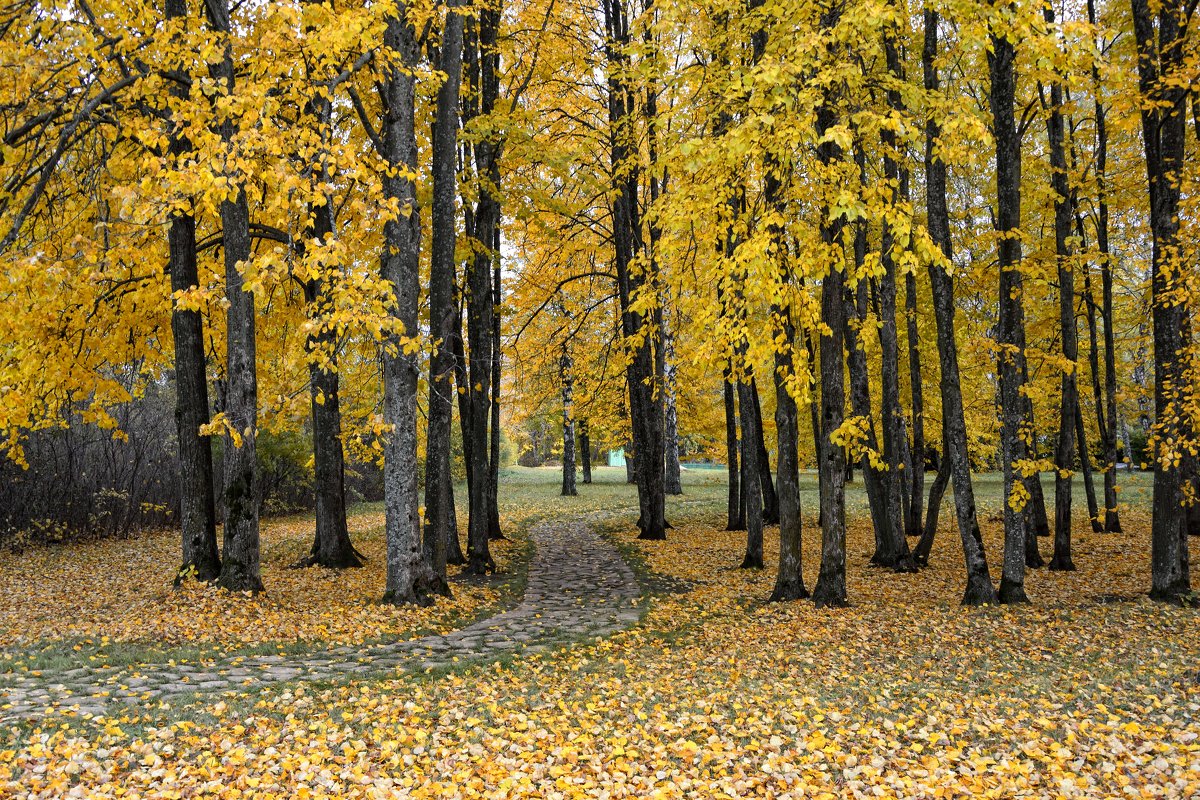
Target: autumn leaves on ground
{"points": [[1092, 691]]}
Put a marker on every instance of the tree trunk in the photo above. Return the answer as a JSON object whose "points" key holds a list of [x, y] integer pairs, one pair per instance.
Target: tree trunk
{"points": [[1068, 410], [1161, 58], [770, 498], [671, 476], [331, 540], [830, 590], [442, 310], [874, 480], [493, 484], [454, 551], [789, 583], [814, 413], [409, 578], [895, 551], [1011, 338], [645, 405], [566, 375], [331, 543], [240, 570], [917, 452], [979, 589], [936, 492], [480, 302], [1112, 520], [752, 492], [1085, 465], [736, 522], [585, 450], [197, 512]]}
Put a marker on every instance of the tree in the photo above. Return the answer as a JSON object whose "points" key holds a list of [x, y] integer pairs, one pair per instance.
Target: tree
{"points": [[1010, 339], [1160, 34], [197, 515], [240, 554], [409, 578], [979, 589], [444, 326]]}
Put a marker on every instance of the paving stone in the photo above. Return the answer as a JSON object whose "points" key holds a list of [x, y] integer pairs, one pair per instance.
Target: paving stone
{"points": [[578, 587]]}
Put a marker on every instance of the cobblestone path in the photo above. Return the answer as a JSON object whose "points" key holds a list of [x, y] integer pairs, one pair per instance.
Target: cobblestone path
{"points": [[579, 587]]}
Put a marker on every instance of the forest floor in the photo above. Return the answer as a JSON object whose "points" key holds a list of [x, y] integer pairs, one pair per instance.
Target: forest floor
{"points": [[1091, 691]]}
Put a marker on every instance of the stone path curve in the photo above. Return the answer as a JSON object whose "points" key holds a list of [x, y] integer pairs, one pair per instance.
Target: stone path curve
{"points": [[578, 587]]}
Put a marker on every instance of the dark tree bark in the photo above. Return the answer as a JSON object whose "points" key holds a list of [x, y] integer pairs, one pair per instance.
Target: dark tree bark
{"points": [[331, 540], [874, 480], [1112, 520], [736, 521], [770, 498], [789, 582], [493, 484], [240, 570], [566, 375], [585, 450], [197, 511], [979, 589], [442, 309], [671, 476], [894, 552], [1085, 466], [916, 460], [645, 403], [1011, 338], [752, 493], [1160, 33], [936, 492], [409, 578], [1037, 521], [814, 412], [481, 294], [830, 589], [331, 543], [1064, 454], [454, 551]]}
